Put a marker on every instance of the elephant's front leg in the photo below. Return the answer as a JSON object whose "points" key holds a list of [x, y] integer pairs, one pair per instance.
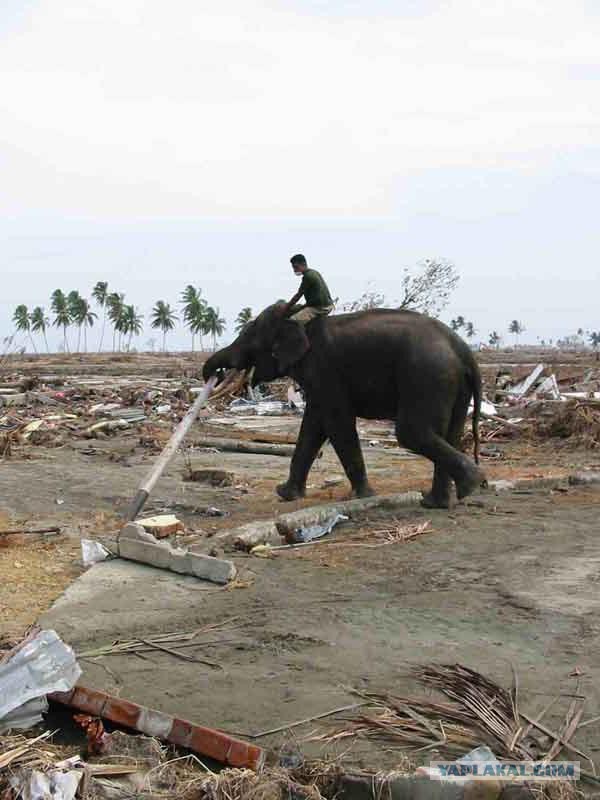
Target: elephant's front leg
{"points": [[311, 438], [341, 430]]}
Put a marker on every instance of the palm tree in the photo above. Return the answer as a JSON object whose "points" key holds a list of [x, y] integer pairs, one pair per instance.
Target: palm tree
{"points": [[517, 328], [115, 303], [470, 330], [100, 295], [215, 324], [84, 317], [131, 323], [62, 317], [39, 323], [495, 339], [594, 338], [242, 319], [163, 318], [194, 310], [73, 304], [23, 323]]}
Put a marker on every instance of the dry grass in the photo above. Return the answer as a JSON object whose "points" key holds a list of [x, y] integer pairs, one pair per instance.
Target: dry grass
{"points": [[32, 575], [475, 711]]}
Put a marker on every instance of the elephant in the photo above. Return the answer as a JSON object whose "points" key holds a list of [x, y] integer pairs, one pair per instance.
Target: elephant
{"points": [[377, 364]]}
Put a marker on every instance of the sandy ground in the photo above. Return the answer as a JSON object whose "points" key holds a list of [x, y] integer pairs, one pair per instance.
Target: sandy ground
{"points": [[507, 579]]}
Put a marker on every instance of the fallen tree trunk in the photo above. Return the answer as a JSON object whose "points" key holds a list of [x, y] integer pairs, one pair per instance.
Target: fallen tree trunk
{"points": [[289, 524], [248, 536], [235, 446]]}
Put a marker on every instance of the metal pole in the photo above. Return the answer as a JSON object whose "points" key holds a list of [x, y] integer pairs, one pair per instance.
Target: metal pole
{"points": [[167, 454]]}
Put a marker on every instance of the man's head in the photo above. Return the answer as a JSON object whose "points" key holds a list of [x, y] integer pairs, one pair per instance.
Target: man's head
{"points": [[299, 264]]}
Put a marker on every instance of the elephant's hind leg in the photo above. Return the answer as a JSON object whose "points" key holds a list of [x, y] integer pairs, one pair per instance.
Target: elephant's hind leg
{"points": [[449, 463]]}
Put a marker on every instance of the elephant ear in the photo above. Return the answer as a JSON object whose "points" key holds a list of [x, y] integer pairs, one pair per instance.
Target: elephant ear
{"points": [[290, 344]]}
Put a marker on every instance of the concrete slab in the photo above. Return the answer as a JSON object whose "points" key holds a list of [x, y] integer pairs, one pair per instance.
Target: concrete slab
{"points": [[512, 581]]}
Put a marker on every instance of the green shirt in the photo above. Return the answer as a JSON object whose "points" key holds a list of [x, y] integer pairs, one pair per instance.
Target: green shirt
{"points": [[315, 290]]}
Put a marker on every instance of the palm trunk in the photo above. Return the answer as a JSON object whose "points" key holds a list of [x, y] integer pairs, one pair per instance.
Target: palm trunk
{"points": [[192, 342], [85, 339], [66, 340], [33, 343], [114, 338], [46, 340], [164, 341], [102, 332], [79, 338], [129, 343]]}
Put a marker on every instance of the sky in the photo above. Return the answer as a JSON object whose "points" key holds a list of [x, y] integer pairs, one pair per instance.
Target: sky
{"points": [[156, 144]]}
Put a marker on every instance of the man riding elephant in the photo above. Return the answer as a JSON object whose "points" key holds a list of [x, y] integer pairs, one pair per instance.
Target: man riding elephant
{"points": [[314, 290], [379, 364]]}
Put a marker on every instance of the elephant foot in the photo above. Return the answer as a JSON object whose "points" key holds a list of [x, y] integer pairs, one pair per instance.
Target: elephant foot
{"points": [[432, 501], [364, 491], [287, 491], [471, 481]]}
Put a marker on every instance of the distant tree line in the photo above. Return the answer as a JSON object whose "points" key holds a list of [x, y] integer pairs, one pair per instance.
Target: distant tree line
{"points": [[71, 310]]}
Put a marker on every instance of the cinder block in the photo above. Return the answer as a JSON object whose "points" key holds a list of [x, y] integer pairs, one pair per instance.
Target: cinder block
{"points": [[147, 553], [134, 531], [180, 561], [138, 545], [217, 570]]}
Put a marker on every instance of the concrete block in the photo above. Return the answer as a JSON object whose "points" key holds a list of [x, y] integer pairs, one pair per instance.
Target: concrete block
{"points": [[135, 531], [138, 545], [584, 478], [155, 555], [180, 561], [217, 570]]}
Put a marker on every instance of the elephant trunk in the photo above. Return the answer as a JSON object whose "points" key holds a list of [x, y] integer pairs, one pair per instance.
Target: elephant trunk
{"points": [[227, 358]]}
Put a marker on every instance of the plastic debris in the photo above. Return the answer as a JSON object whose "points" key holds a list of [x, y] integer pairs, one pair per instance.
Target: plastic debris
{"points": [[40, 665], [35, 785], [308, 534], [93, 552]]}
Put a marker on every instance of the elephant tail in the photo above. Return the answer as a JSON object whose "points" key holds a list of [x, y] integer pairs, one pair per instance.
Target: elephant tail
{"points": [[476, 390]]}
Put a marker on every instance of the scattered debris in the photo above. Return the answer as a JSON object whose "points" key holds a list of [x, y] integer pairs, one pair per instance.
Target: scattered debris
{"points": [[238, 446], [476, 712], [312, 532], [218, 478], [38, 665], [204, 741], [93, 552]]}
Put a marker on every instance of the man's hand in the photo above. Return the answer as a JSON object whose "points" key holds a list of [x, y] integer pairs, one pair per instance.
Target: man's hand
{"points": [[293, 301]]}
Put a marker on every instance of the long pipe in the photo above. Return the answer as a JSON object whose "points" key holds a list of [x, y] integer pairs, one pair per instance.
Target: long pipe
{"points": [[167, 454]]}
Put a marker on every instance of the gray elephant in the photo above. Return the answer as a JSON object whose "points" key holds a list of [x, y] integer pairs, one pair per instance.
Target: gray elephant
{"points": [[379, 364]]}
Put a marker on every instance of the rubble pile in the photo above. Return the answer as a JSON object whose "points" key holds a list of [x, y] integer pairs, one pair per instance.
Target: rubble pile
{"points": [[575, 421], [541, 406], [51, 410]]}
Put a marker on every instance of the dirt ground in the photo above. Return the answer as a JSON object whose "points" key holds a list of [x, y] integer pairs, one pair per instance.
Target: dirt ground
{"points": [[508, 579]]}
